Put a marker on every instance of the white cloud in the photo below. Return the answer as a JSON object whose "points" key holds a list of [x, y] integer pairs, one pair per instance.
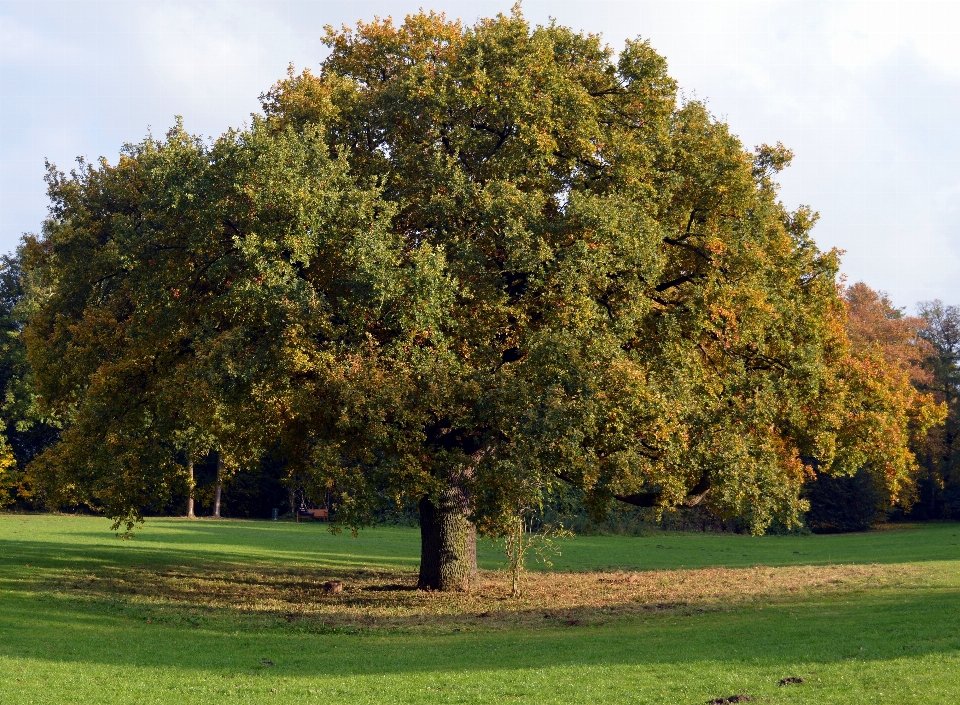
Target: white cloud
{"points": [[864, 34]]}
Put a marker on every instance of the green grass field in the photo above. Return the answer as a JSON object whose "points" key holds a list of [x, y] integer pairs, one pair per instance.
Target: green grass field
{"points": [[231, 611]]}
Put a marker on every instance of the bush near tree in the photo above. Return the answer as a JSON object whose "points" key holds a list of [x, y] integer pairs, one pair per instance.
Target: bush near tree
{"points": [[459, 267], [842, 504]]}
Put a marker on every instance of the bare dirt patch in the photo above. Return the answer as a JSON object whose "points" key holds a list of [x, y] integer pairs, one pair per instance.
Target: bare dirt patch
{"points": [[390, 600], [791, 680]]}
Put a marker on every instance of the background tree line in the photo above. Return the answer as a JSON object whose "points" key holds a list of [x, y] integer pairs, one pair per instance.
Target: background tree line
{"points": [[924, 348], [465, 270]]}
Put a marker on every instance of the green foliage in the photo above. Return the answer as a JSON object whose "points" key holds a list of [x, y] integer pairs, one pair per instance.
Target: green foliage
{"points": [[494, 257], [144, 291], [627, 308]]}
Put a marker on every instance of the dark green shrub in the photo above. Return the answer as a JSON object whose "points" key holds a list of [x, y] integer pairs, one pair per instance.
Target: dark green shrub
{"points": [[842, 504]]}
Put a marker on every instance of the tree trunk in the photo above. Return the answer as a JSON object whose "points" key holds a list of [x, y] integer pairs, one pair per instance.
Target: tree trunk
{"points": [[448, 548], [219, 489], [190, 512], [932, 479]]}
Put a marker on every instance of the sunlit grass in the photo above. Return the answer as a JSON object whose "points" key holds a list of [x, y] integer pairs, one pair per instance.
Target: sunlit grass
{"points": [[208, 611]]}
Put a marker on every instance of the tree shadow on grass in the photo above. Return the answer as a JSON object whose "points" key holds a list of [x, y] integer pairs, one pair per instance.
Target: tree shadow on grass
{"points": [[386, 598]]}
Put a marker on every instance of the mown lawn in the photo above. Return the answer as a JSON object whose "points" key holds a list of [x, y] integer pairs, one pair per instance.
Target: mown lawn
{"points": [[233, 611]]}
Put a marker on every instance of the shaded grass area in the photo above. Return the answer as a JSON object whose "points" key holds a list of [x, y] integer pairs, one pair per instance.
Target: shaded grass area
{"points": [[232, 610]]}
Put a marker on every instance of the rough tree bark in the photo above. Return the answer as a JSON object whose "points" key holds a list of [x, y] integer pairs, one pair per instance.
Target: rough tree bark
{"points": [[448, 550], [190, 490], [219, 489]]}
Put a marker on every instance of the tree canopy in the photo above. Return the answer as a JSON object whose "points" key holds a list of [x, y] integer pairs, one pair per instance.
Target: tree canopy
{"points": [[459, 265]]}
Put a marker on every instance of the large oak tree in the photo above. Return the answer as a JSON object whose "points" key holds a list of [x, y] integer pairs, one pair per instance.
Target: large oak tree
{"points": [[457, 266]]}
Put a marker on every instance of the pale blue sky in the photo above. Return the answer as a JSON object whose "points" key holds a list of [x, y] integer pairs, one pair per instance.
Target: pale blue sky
{"points": [[866, 93]]}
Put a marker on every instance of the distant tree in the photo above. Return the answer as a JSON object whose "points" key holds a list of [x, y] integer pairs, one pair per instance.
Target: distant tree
{"points": [[942, 456], [191, 489], [461, 266], [218, 488], [24, 430], [874, 324], [880, 332]]}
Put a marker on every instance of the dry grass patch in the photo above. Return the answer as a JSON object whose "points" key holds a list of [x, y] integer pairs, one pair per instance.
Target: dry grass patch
{"points": [[390, 600]]}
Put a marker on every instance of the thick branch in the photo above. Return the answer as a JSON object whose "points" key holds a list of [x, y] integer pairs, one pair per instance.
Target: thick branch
{"points": [[676, 282], [682, 242], [652, 499]]}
